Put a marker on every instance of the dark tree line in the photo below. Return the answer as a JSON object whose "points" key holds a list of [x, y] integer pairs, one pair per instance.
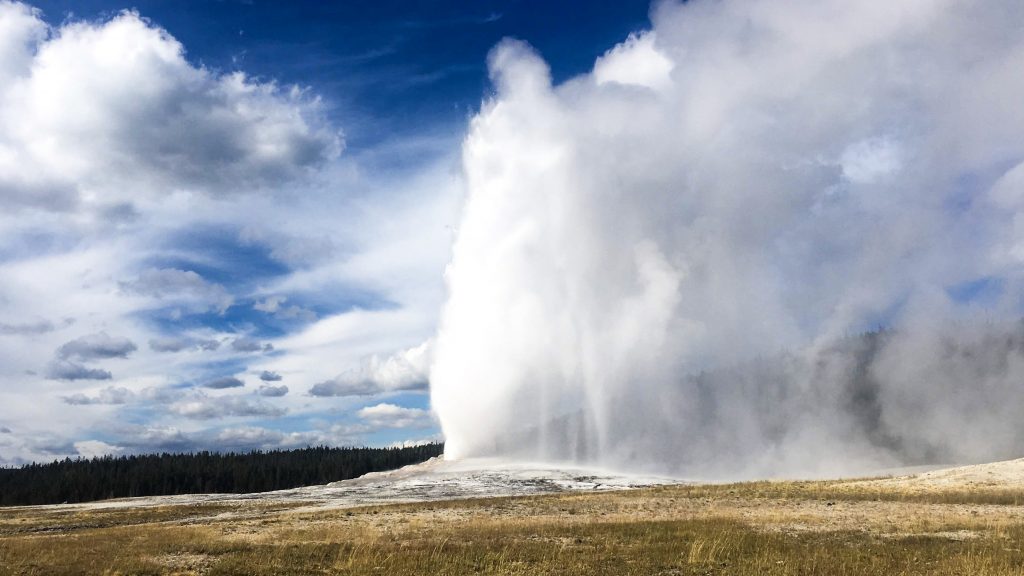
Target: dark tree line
{"points": [[81, 480]]}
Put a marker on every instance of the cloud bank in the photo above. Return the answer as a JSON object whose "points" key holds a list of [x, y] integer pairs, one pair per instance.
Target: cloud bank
{"points": [[748, 181], [392, 416], [166, 224], [97, 346], [405, 370]]}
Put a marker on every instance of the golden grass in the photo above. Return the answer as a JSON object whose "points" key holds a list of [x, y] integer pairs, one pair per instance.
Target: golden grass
{"points": [[752, 528], [859, 489]]}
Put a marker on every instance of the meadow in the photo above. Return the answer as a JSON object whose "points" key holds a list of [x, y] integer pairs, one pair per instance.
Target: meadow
{"points": [[829, 527]]}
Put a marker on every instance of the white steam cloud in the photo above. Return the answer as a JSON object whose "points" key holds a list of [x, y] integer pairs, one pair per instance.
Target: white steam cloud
{"points": [[659, 262]]}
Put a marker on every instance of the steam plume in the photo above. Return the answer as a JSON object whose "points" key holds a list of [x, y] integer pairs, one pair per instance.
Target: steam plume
{"points": [[659, 263]]}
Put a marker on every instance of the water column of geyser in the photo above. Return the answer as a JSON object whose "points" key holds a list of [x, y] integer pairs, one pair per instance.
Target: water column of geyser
{"points": [[670, 263]]}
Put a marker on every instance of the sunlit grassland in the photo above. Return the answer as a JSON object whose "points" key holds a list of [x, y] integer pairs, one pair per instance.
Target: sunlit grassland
{"points": [[857, 490], [751, 528]]}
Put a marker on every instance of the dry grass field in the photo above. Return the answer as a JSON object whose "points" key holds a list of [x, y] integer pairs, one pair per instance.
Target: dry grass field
{"points": [[830, 527]]}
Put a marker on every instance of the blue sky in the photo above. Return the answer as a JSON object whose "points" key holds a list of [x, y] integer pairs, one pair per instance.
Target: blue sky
{"points": [[227, 221], [388, 69]]}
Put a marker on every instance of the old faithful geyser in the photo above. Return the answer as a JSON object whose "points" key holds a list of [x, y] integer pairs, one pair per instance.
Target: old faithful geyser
{"points": [[672, 262]]}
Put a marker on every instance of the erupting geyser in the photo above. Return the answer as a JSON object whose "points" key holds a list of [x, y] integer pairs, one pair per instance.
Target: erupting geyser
{"points": [[665, 263]]}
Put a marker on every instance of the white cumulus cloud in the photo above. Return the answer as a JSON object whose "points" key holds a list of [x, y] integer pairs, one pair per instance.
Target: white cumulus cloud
{"points": [[143, 120], [385, 415]]}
